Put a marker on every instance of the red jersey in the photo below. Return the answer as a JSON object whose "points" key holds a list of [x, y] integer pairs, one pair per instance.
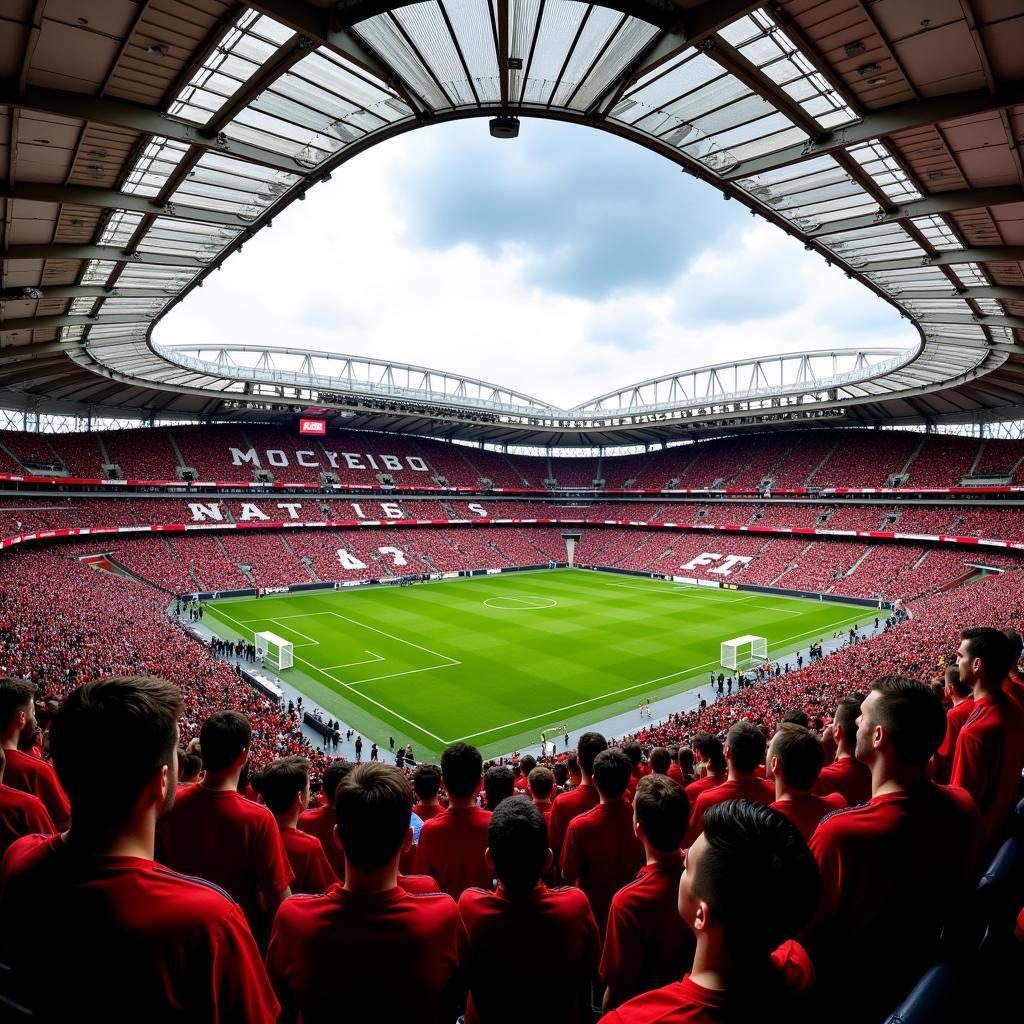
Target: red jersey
{"points": [[451, 850], [345, 955], [21, 814], [894, 872], [134, 940], [956, 716], [321, 822], [848, 776], [417, 883], [312, 872], [563, 944], [601, 854], [222, 837], [785, 979], [806, 811], [757, 790], [988, 760], [428, 812], [647, 944], [694, 789], [31, 775], [568, 806]]}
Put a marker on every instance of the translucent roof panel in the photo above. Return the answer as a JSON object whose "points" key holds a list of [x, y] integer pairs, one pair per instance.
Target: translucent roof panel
{"points": [[121, 305], [885, 241], [98, 271], [971, 275], [120, 227], [618, 54], [159, 159], [916, 278], [938, 232], [233, 186], [178, 237], [471, 23], [149, 275], [885, 171]]}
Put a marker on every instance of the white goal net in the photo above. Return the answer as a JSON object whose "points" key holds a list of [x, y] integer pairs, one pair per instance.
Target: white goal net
{"points": [[743, 650], [274, 651]]}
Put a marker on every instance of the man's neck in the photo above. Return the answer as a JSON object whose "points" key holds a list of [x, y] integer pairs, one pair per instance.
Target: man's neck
{"points": [[982, 689], [888, 779], [429, 802], [10, 741], [587, 780], [288, 820], [131, 839], [221, 782], [736, 776], [957, 701], [660, 856], [784, 793], [712, 968], [610, 799], [376, 880], [461, 803]]}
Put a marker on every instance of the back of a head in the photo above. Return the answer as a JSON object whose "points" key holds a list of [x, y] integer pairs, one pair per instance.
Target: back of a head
{"points": [[794, 716], [190, 764], [526, 765], [517, 837], [591, 744], [281, 781], [222, 739], [663, 811], [634, 752], [746, 745], [913, 717], [752, 857], [15, 696], [137, 716], [426, 781], [660, 760], [799, 754], [951, 678], [1016, 642], [374, 806], [847, 713], [541, 781], [499, 784], [461, 765], [684, 758], [994, 649], [612, 772], [333, 774], [711, 750]]}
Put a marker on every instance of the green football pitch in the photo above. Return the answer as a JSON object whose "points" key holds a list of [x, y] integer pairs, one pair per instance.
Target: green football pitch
{"points": [[496, 660]]}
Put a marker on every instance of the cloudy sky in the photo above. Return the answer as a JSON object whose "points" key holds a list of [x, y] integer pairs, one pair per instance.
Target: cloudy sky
{"points": [[563, 264]]}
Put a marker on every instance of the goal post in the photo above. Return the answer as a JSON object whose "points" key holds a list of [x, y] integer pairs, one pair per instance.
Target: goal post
{"points": [[742, 650], [274, 651]]}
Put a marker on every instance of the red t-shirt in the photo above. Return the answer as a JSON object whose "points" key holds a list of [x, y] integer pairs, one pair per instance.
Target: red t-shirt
{"points": [[321, 823], [563, 951], [31, 775], [988, 761], [21, 814], [428, 812], [222, 837], [647, 945], [758, 790], [784, 981], [417, 883], [847, 776], [894, 872], [807, 810], [451, 850], [312, 872], [601, 854], [348, 956], [123, 938], [568, 806], [955, 718], [694, 789]]}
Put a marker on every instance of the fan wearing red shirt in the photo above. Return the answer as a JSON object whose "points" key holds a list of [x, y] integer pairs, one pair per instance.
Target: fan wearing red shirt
{"points": [[794, 761], [213, 832], [1013, 684], [21, 814], [846, 775], [647, 944], [709, 752], [581, 799], [897, 870], [451, 846], [426, 782], [526, 765], [563, 940], [367, 942], [748, 885], [190, 768], [601, 852], [499, 784], [960, 696], [321, 821], [284, 787], [24, 771], [635, 753], [684, 761], [989, 754], [744, 752], [541, 783], [91, 926]]}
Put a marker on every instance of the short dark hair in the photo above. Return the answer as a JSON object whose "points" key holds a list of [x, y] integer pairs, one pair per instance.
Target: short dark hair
{"points": [[799, 753], [517, 837], [426, 781], [590, 745], [14, 695], [753, 853], [223, 737], [461, 765], [847, 712], [1016, 642], [994, 649], [541, 782], [281, 781], [663, 810], [499, 784], [710, 749], [795, 716], [333, 774], [913, 717], [526, 765], [659, 760], [137, 716], [189, 763], [612, 772], [951, 678], [684, 758], [374, 808], [747, 744], [633, 751]]}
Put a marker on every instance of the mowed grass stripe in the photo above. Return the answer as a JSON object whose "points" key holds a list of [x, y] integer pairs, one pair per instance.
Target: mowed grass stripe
{"points": [[500, 675]]}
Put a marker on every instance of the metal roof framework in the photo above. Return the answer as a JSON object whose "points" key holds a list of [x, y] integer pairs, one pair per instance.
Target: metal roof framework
{"points": [[142, 142]]}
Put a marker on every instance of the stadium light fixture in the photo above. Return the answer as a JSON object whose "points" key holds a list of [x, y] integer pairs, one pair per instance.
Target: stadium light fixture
{"points": [[504, 126]]}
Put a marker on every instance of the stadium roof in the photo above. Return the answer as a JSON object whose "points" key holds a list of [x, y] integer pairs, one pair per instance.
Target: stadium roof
{"points": [[144, 141]]}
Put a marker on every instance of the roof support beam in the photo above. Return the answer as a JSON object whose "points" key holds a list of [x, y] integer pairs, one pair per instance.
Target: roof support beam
{"points": [[97, 252], [885, 122], [1009, 292], [945, 202], [91, 291], [985, 320], [40, 323], [949, 257]]}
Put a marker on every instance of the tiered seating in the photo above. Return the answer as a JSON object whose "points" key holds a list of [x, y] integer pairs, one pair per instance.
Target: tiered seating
{"points": [[501, 470], [8, 464], [205, 556], [273, 563], [822, 565], [1001, 456], [616, 470], [766, 451], [865, 459], [942, 461], [802, 459], [80, 454], [574, 472], [772, 560], [855, 517], [207, 450], [28, 448], [147, 456], [790, 516], [155, 560], [918, 519], [1003, 523], [447, 460]]}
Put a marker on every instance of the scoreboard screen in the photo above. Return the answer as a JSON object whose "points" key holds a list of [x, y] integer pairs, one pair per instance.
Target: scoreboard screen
{"points": [[318, 427]]}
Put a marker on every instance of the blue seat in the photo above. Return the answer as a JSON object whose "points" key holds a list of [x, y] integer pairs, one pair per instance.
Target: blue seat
{"points": [[934, 998]]}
